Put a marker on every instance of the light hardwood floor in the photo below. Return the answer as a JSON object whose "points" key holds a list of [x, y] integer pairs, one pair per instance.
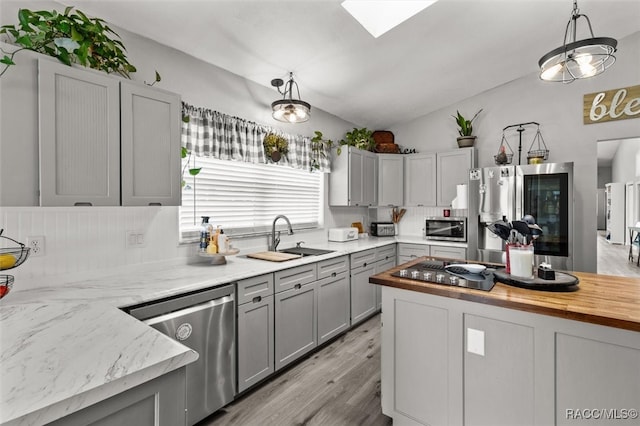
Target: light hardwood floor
{"points": [[613, 259], [338, 385]]}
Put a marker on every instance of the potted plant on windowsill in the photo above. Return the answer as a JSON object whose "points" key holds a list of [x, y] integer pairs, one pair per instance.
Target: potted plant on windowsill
{"points": [[275, 146], [465, 129]]}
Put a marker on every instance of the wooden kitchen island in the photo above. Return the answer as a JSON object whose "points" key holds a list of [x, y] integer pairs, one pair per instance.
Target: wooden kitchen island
{"points": [[510, 356]]}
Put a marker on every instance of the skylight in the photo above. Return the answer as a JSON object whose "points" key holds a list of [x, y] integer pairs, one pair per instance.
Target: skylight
{"points": [[379, 16]]}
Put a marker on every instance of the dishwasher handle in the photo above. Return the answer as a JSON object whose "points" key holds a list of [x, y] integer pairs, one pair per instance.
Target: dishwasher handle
{"points": [[173, 304], [190, 310]]}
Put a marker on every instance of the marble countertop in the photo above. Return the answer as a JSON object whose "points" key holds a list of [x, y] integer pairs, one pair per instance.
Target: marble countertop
{"points": [[67, 346]]}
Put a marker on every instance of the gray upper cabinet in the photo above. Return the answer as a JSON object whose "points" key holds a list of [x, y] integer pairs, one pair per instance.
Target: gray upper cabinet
{"points": [[390, 180], [431, 179], [79, 137], [150, 143], [453, 169], [420, 179], [106, 142], [352, 181]]}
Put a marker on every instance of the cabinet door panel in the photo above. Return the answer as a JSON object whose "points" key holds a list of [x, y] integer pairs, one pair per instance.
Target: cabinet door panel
{"points": [[453, 169], [295, 323], [505, 371], [420, 180], [449, 252], [260, 286], [255, 342], [369, 178], [79, 137], [288, 278], [363, 258], [390, 180], [333, 306], [363, 294], [595, 374], [421, 354], [331, 267], [356, 181], [150, 146]]}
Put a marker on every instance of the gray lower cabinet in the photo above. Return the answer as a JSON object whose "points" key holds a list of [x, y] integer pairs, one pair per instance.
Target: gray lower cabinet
{"points": [[385, 259], [295, 323], [333, 306], [450, 361], [505, 370], [255, 328], [159, 402], [448, 252], [363, 294], [296, 305], [408, 252]]}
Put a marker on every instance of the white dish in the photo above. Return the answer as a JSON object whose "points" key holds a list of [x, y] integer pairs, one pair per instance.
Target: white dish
{"points": [[470, 267]]}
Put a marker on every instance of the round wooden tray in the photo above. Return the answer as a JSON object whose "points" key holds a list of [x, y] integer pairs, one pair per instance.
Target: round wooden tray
{"points": [[563, 281], [219, 258]]}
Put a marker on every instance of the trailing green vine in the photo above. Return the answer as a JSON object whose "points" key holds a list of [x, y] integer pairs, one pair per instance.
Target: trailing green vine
{"points": [[72, 37]]}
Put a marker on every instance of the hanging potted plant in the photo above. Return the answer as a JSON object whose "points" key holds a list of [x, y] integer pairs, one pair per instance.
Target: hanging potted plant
{"points": [[275, 146], [319, 149], [465, 129]]}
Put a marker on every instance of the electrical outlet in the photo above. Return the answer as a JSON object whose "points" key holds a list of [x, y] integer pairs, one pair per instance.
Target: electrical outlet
{"points": [[36, 244], [135, 239]]}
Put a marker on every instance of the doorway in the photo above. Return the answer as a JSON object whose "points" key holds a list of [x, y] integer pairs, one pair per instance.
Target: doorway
{"points": [[618, 194]]}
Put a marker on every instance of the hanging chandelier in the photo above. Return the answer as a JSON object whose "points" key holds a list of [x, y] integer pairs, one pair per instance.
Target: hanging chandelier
{"points": [[288, 109], [578, 59]]}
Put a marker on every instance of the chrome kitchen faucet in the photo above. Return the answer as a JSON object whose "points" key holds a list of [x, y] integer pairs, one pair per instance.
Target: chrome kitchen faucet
{"points": [[275, 240]]}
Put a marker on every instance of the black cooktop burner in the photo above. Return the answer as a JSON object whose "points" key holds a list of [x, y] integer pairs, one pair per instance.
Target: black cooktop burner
{"points": [[433, 271]]}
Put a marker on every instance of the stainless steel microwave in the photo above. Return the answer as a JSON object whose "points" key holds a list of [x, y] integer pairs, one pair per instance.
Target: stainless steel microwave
{"points": [[446, 228]]}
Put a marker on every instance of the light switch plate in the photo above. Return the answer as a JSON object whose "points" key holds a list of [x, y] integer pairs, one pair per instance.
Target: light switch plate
{"points": [[475, 341]]}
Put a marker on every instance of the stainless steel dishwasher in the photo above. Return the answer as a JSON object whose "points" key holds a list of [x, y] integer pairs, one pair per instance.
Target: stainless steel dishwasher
{"points": [[205, 322]]}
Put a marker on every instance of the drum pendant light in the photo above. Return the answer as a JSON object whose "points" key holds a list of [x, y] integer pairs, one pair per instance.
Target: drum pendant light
{"points": [[288, 109], [578, 59]]}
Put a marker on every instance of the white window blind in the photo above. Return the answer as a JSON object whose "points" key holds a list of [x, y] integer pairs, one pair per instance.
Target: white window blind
{"points": [[244, 198]]}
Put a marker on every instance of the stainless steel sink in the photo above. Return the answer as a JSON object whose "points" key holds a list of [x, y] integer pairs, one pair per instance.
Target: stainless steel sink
{"points": [[305, 251]]}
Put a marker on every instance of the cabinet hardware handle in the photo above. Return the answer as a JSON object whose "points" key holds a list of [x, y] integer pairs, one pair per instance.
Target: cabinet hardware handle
{"points": [[297, 286], [364, 264], [333, 274], [82, 203], [155, 204], [257, 299]]}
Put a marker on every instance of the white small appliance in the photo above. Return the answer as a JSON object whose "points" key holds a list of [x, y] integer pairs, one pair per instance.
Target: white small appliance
{"points": [[343, 234]]}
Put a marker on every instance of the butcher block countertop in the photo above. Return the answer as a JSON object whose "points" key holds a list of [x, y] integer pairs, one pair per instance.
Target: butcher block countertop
{"points": [[601, 299]]}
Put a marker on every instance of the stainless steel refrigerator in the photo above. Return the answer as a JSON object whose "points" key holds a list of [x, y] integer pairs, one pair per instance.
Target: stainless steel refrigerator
{"points": [[542, 190]]}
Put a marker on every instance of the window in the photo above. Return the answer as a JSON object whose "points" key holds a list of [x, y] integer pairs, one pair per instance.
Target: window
{"points": [[244, 198]]}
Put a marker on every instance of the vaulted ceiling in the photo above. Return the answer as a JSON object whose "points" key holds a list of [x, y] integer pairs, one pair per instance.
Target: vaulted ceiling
{"points": [[448, 52]]}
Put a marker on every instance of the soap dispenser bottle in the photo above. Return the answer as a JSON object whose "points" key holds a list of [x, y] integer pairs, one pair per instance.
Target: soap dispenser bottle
{"points": [[223, 241], [205, 233]]}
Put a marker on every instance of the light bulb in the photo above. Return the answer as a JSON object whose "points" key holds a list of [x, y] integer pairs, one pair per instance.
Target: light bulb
{"points": [[587, 70], [584, 59], [300, 113], [549, 73]]}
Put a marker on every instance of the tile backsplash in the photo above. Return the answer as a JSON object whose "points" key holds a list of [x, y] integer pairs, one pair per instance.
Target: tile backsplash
{"points": [[81, 240]]}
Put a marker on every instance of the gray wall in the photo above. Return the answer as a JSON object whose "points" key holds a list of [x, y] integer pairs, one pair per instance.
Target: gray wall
{"points": [[604, 176], [558, 108], [625, 166]]}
